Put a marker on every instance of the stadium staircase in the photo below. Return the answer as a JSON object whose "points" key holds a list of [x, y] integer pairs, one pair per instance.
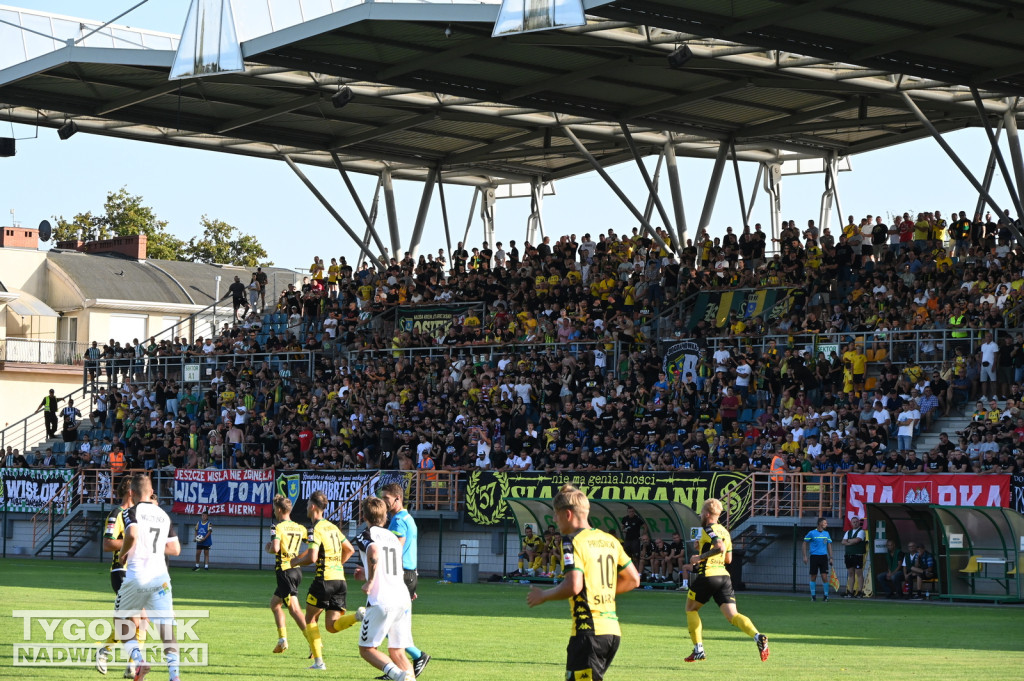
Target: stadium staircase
{"points": [[73, 516]]}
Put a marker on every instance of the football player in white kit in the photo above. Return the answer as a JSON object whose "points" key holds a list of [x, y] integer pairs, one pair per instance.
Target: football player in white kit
{"points": [[149, 536], [388, 611]]}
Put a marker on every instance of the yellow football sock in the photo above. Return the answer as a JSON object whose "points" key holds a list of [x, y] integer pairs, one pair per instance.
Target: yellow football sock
{"points": [[536, 563], [695, 626], [142, 634], [343, 623], [282, 632], [520, 564], [312, 635], [743, 623], [553, 565]]}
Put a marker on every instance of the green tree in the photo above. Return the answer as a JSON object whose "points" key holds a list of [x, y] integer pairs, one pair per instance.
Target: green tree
{"points": [[124, 215], [223, 243], [82, 227]]}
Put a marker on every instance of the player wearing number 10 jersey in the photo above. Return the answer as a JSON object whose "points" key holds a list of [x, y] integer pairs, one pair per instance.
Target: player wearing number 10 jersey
{"points": [[286, 539], [596, 569], [329, 550]]}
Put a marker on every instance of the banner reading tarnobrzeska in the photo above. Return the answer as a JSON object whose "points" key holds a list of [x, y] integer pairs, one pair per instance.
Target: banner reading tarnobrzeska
{"points": [[235, 492], [26, 490], [961, 489], [343, 489], [487, 490]]}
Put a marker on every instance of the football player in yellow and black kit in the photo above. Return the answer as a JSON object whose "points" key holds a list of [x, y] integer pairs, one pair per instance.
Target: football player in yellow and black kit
{"points": [[286, 537], [329, 550], [711, 580], [532, 545], [596, 569], [113, 539]]}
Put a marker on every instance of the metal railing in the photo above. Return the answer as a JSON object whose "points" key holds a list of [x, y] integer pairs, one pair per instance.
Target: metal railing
{"points": [[798, 494], [488, 353], [31, 430], [195, 370], [42, 351]]}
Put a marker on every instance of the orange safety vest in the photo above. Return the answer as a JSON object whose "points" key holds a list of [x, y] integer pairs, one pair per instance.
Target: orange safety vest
{"points": [[429, 471], [777, 468], [116, 462]]}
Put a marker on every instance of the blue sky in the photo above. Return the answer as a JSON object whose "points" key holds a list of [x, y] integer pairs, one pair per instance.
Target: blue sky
{"points": [[49, 177]]}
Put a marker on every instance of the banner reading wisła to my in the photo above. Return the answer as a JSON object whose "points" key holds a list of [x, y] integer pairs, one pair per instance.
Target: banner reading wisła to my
{"points": [[487, 490]]}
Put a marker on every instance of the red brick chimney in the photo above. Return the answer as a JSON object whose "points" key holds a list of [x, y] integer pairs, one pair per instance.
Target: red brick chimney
{"points": [[19, 237], [131, 246]]}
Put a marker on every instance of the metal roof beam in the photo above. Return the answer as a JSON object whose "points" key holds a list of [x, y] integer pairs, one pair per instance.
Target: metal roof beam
{"points": [[464, 48], [691, 97], [141, 97], [564, 79], [481, 152], [773, 125], [774, 16], [919, 38], [266, 114]]}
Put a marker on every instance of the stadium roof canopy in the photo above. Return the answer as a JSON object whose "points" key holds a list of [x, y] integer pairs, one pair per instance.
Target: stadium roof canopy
{"points": [[779, 79]]}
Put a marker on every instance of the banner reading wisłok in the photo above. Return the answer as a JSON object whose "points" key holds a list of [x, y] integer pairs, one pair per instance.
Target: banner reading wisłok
{"points": [[945, 490], [217, 492], [487, 490], [26, 490]]}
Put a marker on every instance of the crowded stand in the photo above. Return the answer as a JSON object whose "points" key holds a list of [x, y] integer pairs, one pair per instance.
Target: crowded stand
{"points": [[562, 366]]}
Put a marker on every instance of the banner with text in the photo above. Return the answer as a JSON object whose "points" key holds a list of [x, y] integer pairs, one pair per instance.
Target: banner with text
{"points": [[1018, 493], [434, 320], [944, 490], [487, 490], [26, 490], [343, 489], [714, 306], [241, 492]]}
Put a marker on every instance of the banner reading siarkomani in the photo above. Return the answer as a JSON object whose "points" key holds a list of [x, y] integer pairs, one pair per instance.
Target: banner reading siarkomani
{"points": [[487, 490]]}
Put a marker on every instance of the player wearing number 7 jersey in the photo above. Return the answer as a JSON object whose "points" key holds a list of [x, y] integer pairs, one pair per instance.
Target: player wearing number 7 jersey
{"points": [[149, 536], [596, 569], [286, 539], [329, 549]]}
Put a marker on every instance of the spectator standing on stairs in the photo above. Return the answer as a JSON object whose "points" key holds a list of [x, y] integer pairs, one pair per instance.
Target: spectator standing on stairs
{"points": [[49, 407]]}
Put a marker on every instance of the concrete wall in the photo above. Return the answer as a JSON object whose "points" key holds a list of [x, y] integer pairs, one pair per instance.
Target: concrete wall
{"points": [[22, 388], [24, 269]]}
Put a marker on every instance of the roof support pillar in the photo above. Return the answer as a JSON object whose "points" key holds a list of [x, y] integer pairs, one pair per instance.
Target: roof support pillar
{"points": [[652, 186], [655, 181], [712, 195], [389, 204], [330, 209], [370, 231], [956, 160], [773, 187], [371, 223], [827, 196], [469, 220], [444, 215], [990, 171], [677, 192], [994, 141], [535, 222], [753, 193], [421, 214], [615, 188], [487, 205], [739, 184], [1010, 122]]}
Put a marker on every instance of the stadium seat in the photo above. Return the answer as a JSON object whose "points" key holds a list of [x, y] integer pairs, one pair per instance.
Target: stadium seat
{"points": [[881, 354], [30, 459], [319, 337], [58, 447], [268, 319], [108, 433], [61, 460], [870, 383], [972, 566], [747, 416]]}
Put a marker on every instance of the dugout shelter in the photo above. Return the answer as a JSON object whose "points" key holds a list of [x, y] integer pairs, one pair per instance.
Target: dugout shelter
{"points": [[977, 549]]}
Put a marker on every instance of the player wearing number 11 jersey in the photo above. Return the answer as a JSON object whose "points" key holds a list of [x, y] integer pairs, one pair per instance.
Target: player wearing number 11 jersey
{"points": [[286, 539], [596, 569]]}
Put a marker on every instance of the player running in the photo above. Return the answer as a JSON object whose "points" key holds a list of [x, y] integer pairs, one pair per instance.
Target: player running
{"points": [[149, 537], [286, 539], [329, 549], [113, 538], [388, 611], [596, 570], [711, 580], [404, 527]]}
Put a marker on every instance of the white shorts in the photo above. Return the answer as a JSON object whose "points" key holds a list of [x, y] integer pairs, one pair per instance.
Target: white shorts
{"points": [[988, 373], [154, 597], [391, 621]]}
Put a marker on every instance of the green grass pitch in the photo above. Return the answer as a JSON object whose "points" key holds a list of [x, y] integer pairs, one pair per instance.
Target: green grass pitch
{"points": [[486, 631]]}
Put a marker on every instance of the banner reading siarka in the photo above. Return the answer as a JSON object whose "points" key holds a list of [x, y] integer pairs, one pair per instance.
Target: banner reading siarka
{"points": [[434, 320], [343, 489], [943, 490], [26, 490], [487, 490]]}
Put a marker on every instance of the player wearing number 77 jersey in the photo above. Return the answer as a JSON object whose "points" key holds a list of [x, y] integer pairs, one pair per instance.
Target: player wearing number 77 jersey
{"points": [[329, 549], [286, 539], [388, 611], [596, 569]]}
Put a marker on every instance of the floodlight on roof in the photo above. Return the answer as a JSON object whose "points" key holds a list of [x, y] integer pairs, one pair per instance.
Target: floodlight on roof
{"points": [[67, 130], [7, 147], [527, 16], [343, 97], [678, 57]]}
